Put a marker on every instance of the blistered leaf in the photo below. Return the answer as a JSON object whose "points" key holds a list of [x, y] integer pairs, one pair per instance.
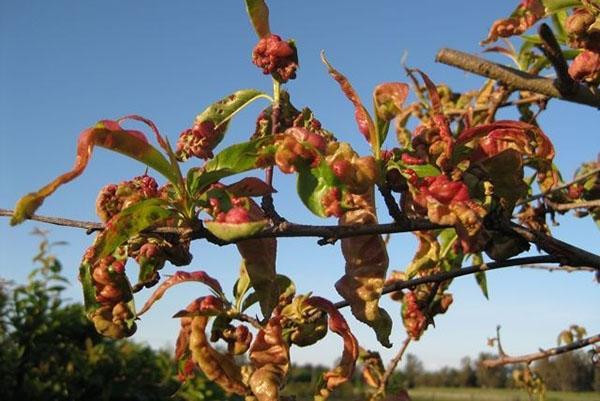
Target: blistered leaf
{"points": [[259, 258], [107, 134], [129, 222], [362, 116], [365, 270], [220, 112], [427, 254], [235, 231], [388, 99], [343, 372], [178, 278], [232, 160], [108, 298], [259, 15], [282, 289], [320, 190], [219, 368], [270, 356], [250, 186]]}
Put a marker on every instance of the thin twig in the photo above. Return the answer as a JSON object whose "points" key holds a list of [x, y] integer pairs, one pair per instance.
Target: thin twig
{"points": [[542, 354], [391, 204], [392, 366], [551, 49], [516, 102], [560, 187], [563, 207], [444, 276], [516, 79], [568, 269]]}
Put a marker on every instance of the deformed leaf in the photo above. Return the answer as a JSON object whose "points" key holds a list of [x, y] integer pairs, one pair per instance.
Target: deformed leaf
{"points": [[232, 160], [235, 231], [316, 187], [107, 134], [250, 186], [129, 222], [259, 15], [343, 372], [181, 277], [219, 368], [270, 356], [365, 123], [365, 270], [220, 112]]}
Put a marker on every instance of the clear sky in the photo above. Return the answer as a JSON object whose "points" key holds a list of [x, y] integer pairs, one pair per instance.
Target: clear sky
{"points": [[65, 64]]}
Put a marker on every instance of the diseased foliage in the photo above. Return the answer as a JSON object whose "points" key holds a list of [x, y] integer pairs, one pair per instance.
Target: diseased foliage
{"points": [[460, 169]]}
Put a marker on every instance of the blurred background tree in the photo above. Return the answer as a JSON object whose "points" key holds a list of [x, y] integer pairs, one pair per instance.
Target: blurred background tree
{"points": [[49, 350]]}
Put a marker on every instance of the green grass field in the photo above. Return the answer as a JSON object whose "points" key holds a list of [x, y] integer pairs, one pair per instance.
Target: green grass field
{"points": [[476, 394]]}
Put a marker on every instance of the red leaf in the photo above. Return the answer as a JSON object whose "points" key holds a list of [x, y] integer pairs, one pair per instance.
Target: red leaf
{"points": [[177, 278], [362, 116]]}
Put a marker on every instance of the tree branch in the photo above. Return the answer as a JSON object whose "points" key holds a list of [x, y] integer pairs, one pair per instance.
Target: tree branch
{"points": [[568, 254], [328, 233], [551, 49], [561, 187], [516, 79], [392, 366], [542, 354], [563, 207], [448, 275]]}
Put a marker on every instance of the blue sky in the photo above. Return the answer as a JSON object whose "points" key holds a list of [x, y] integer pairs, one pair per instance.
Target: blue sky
{"points": [[66, 64]]}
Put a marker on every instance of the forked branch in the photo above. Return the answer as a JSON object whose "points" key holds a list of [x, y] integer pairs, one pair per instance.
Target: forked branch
{"points": [[516, 79]]}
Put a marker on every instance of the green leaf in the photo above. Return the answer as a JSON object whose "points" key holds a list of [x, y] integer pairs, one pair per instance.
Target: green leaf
{"points": [[259, 16], [241, 287], [480, 277], [220, 112], [314, 184], [553, 6], [233, 231], [129, 222], [232, 160], [107, 134], [284, 287]]}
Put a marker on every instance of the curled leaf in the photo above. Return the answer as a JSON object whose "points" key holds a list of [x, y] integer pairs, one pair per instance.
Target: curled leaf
{"points": [[107, 134], [523, 17], [365, 271], [270, 357], [250, 186], [362, 116], [389, 99], [259, 259], [181, 277], [219, 368], [235, 231], [343, 372]]}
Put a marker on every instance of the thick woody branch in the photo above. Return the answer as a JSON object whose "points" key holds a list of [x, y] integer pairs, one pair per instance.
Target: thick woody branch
{"points": [[568, 254], [516, 79], [542, 354]]}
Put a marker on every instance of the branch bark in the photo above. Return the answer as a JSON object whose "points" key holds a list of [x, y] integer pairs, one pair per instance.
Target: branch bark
{"points": [[516, 79], [542, 354], [445, 276]]}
